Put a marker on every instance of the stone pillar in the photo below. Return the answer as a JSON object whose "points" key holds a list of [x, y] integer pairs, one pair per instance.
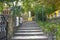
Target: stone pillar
{"points": [[29, 14], [29, 18], [17, 21]]}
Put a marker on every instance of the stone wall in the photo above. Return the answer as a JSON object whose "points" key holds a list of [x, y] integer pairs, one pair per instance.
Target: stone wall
{"points": [[54, 20]]}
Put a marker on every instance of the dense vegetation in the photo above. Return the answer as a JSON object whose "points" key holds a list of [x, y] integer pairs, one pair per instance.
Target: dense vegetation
{"points": [[49, 27]]}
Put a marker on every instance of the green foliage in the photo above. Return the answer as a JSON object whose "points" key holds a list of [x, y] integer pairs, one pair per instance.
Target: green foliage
{"points": [[8, 0], [1, 6], [50, 27], [27, 5], [16, 10]]}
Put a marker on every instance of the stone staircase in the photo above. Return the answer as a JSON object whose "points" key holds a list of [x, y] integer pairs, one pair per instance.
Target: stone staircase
{"points": [[29, 31]]}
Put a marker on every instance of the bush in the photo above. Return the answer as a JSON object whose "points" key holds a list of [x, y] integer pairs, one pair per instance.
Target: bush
{"points": [[50, 27]]}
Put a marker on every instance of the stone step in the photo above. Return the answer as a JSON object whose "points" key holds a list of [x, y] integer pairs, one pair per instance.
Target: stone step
{"points": [[29, 37], [30, 27], [26, 31], [28, 34], [30, 30], [31, 33]]}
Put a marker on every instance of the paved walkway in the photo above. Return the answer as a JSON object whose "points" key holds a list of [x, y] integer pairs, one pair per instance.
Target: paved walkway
{"points": [[29, 31]]}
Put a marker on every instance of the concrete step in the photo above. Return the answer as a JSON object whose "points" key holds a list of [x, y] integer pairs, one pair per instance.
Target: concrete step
{"points": [[31, 33], [29, 27], [29, 37], [29, 30]]}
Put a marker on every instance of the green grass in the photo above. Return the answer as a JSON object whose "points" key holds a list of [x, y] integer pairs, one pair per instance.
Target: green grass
{"points": [[50, 27]]}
